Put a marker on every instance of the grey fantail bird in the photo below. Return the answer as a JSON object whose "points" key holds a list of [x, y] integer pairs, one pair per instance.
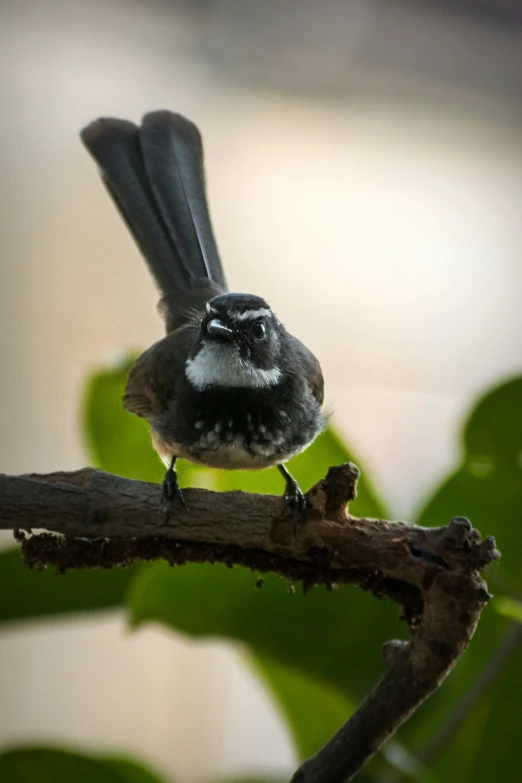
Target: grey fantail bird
{"points": [[228, 386]]}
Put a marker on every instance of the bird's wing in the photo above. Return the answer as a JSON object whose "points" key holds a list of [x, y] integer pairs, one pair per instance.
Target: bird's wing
{"points": [[303, 362], [152, 381]]}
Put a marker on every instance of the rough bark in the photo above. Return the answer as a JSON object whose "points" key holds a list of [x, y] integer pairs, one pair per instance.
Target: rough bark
{"points": [[433, 573]]}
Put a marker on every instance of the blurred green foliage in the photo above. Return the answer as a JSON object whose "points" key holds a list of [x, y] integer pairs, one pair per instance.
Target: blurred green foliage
{"points": [[47, 765], [509, 607], [486, 488], [301, 698], [318, 654], [29, 593]]}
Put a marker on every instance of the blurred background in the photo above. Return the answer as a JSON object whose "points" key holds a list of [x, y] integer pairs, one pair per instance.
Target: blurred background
{"points": [[364, 164]]}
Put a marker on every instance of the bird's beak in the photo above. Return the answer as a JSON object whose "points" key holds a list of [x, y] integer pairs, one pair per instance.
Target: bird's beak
{"points": [[217, 329]]}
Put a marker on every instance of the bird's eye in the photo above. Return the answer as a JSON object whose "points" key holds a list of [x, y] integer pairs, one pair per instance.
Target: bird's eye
{"points": [[259, 330]]}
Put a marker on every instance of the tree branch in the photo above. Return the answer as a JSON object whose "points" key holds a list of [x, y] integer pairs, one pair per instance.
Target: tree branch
{"points": [[433, 573]]}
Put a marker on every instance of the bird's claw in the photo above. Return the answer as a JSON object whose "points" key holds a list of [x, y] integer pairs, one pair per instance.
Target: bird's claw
{"points": [[296, 502], [171, 493]]}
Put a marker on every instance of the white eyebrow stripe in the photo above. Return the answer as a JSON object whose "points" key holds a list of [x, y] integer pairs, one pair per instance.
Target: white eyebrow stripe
{"points": [[248, 315]]}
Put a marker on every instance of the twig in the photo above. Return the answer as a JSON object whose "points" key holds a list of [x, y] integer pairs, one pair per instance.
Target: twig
{"points": [[433, 573], [487, 677]]}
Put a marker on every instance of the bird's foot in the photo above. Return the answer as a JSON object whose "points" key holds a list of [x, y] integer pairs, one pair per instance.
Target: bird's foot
{"points": [[171, 492], [294, 499]]}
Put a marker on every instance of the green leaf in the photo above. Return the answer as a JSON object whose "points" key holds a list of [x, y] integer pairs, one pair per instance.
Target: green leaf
{"points": [[43, 765], [325, 634], [119, 442], [497, 745], [130, 771], [49, 765], [487, 744], [508, 607], [314, 710], [26, 593], [486, 488], [255, 780]]}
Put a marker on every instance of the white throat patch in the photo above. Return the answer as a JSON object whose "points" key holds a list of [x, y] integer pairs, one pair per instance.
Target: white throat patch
{"points": [[218, 364]]}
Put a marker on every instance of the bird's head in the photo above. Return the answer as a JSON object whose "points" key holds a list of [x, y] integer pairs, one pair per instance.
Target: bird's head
{"points": [[239, 344]]}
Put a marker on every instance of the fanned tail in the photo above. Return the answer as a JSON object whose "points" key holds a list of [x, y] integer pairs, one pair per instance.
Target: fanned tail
{"points": [[155, 175]]}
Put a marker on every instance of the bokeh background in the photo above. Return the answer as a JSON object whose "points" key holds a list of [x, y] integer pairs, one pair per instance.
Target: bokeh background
{"points": [[364, 163]]}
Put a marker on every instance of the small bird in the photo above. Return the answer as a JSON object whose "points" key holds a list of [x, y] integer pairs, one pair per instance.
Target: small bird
{"points": [[228, 387]]}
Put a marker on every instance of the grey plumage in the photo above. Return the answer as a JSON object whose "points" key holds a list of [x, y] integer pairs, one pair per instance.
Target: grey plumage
{"points": [[228, 386], [155, 175], [173, 156]]}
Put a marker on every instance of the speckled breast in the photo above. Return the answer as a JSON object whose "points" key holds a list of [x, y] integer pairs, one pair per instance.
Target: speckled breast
{"points": [[240, 431]]}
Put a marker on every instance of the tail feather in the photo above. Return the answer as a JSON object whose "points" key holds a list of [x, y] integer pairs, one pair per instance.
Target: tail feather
{"points": [[173, 156], [155, 176]]}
